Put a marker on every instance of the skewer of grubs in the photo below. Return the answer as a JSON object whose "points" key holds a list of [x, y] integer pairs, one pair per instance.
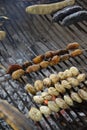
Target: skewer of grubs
{"points": [[55, 60], [34, 68], [51, 91], [53, 106], [50, 54], [61, 81], [58, 104], [40, 58], [55, 92]]}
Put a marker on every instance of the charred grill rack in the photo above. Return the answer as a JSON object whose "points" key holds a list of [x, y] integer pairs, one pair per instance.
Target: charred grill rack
{"points": [[28, 36]]}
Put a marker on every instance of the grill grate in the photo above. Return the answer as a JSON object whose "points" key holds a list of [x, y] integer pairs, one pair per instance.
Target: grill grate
{"points": [[28, 36]]}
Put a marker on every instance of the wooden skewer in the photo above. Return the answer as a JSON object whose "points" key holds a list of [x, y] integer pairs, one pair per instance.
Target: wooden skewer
{"points": [[13, 117]]}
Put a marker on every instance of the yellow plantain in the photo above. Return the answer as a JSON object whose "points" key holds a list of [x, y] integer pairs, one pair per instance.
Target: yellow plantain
{"points": [[48, 8]]}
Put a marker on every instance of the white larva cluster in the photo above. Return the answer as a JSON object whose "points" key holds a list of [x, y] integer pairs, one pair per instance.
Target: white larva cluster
{"points": [[55, 85]]}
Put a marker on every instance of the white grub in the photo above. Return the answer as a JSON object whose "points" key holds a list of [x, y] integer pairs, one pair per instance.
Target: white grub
{"points": [[46, 95], [45, 110], [52, 91], [47, 82], [30, 89], [38, 99], [43, 94], [81, 77], [74, 82], [74, 71], [67, 73], [61, 103], [60, 88], [38, 85], [75, 97], [68, 100], [35, 114], [53, 106], [66, 84], [82, 94], [54, 78], [61, 75]]}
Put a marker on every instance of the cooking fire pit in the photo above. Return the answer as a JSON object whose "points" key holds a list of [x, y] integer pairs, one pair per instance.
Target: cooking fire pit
{"points": [[32, 35]]}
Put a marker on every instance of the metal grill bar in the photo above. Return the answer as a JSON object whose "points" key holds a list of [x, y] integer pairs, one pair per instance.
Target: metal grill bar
{"points": [[26, 40]]}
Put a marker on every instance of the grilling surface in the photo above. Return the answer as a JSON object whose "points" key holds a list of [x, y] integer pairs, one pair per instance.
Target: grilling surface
{"points": [[31, 35]]}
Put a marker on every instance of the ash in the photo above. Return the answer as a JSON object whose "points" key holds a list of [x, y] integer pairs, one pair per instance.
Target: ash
{"points": [[14, 93]]}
